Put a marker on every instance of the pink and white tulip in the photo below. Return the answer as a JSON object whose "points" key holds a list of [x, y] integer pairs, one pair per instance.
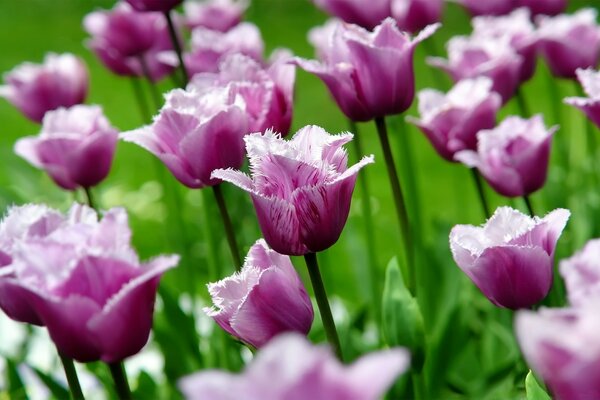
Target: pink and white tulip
{"points": [[217, 15], [414, 15], [581, 273], [590, 81]]}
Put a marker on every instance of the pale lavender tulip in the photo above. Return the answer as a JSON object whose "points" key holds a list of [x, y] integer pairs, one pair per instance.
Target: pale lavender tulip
{"points": [[218, 15], [518, 29], [75, 147], [301, 188], [86, 285], [154, 5], [370, 74], [264, 299], [514, 156], [471, 57], [545, 7], [590, 80], [130, 43], [60, 81], [451, 121], [569, 42], [415, 15], [561, 346], [510, 257], [196, 133], [356, 12], [267, 92], [290, 368], [581, 273]]}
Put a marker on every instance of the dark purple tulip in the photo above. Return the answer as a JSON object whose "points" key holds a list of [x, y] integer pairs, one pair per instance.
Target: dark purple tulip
{"points": [[75, 147], [218, 15], [451, 121], [61, 81], [356, 12], [581, 273], [511, 257], [154, 5], [514, 156], [489, 7], [301, 188], [590, 80], [569, 42], [264, 299], [291, 368], [545, 7], [414, 15]]}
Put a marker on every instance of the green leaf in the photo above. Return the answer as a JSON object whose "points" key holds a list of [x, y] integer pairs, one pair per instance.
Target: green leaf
{"points": [[534, 390], [16, 389], [58, 390]]}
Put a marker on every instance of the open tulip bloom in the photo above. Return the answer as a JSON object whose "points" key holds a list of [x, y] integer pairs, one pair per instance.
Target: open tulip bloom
{"points": [[511, 257], [590, 81], [581, 274]]}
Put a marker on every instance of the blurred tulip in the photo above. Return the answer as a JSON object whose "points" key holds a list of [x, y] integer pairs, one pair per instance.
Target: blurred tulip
{"points": [[154, 5], [545, 7], [75, 147], [451, 121], [512, 157], [129, 42], [86, 285], [569, 42], [356, 11], [370, 74], [196, 133], [263, 300], [489, 7], [61, 81], [301, 188], [510, 258], [581, 273], [290, 368], [590, 80], [217, 15], [414, 15]]}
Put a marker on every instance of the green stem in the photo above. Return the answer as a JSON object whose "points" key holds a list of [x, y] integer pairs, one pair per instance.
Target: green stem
{"points": [[481, 193], [156, 96], [140, 99], [120, 378], [72, 378], [323, 304], [177, 47], [89, 198], [529, 207], [522, 102], [399, 202], [228, 226], [418, 381]]}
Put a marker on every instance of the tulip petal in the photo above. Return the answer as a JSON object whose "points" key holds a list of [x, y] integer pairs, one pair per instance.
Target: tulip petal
{"points": [[14, 301]]}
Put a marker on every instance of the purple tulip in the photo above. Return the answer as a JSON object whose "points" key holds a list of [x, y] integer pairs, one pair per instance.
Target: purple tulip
{"points": [[545, 7], [196, 133], [86, 285], [291, 368], [369, 74], [569, 42], [561, 346], [301, 188], [264, 299], [510, 257], [268, 93], [61, 81], [217, 15], [471, 57], [76, 146], [514, 156], [414, 15], [590, 80], [355, 11], [154, 5], [451, 121], [581, 273], [128, 42], [489, 7]]}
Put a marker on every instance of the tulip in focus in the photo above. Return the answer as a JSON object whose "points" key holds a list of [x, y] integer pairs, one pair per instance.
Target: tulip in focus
{"points": [[264, 299], [85, 283], [154, 5], [514, 156], [301, 188], [581, 273], [370, 74], [590, 80], [414, 15], [291, 368], [569, 42], [451, 121], [217, 15], [60, 81], [76, 146]]}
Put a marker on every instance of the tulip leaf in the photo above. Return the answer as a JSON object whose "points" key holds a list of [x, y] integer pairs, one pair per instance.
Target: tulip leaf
{"points": [[533, 389], [16, 388], [57, 389]]}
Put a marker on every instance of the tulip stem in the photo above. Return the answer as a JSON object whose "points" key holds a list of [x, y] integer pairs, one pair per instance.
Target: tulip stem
{"points": [[481, 193], [229, 232], [140, 99], [156, 97], [120, 378], [522, 102], [398, 201], [72, 378], [89, 198], [529, 207], [177, 48], [328, 323]]}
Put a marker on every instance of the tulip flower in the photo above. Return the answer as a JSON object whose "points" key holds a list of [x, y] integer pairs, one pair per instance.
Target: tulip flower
{"points": [[545, 7], [512, 157], [291, 368], [130, 43], [590, 80], [263, 300], [581, 273], [76, 146], [355, 12], [451, 121], [217, 15], [569, 42], [489, 7], [86, 285], [370, 74], [61, 81], [301, 188], [196, 133], [154, 5], [510, 258], [561, 346], [267, 92], [414, 15]]}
